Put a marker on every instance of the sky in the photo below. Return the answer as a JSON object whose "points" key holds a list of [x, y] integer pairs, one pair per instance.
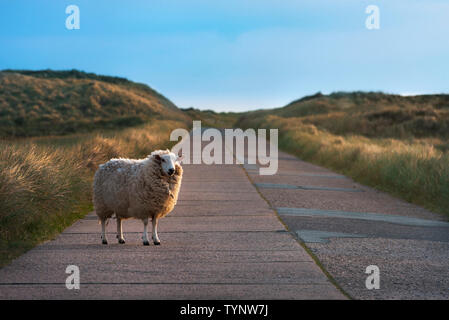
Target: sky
{"points": [[236, 55]]}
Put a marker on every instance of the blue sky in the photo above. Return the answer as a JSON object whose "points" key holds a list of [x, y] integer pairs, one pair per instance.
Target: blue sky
{"points": [[237, 54]]}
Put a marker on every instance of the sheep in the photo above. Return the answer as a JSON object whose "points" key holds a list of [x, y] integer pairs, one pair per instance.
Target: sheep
{"points": [[137, 189]]}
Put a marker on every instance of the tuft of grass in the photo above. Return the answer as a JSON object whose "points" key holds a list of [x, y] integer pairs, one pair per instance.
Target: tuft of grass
{"points": [[45, 183]]}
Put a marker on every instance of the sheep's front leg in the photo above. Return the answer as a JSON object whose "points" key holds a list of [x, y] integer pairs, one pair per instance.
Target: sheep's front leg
{"points": [[120, 237], [104, 240], [146, 242], [156, 240]]}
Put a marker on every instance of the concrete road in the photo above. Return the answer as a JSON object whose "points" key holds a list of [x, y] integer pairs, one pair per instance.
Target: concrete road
{"points": [[349, 227], [235, 234], [222, 241]]}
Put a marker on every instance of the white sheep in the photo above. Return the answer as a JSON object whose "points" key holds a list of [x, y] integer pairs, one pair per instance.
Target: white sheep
{"points": [[137, 189]]}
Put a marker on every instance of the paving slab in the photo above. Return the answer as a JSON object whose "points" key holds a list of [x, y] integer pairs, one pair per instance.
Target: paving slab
{"points": [[120, 254], [189, 224], [195, 195], [303, 187], [213, 208], [369, 201], [316, 236], [377, 217], [306, 180], [259, 240], [157, 271], [236, 186], [174, 291], [367, 228]]}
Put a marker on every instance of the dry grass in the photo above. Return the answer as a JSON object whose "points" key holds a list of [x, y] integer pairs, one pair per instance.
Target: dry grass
{"points": [[45, 183]]}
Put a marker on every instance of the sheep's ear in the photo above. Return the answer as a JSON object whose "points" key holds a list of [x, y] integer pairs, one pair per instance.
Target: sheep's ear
{"points": [[157, 157]]}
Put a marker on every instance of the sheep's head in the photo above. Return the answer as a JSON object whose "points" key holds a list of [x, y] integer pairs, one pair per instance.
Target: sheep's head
{"points": [[167, 160]]}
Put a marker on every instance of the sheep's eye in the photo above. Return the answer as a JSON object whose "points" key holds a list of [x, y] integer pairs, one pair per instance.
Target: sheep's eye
{"points": [[163, 160]]}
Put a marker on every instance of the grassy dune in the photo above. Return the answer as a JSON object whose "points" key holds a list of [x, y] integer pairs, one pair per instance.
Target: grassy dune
{"points": [[45, 183], [397, 144], [40, 103]]}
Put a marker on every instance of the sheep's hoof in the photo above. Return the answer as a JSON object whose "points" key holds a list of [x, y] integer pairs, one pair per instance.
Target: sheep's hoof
{"points": [[146, 243], [104, 241], [156, 243], [121, 241]]}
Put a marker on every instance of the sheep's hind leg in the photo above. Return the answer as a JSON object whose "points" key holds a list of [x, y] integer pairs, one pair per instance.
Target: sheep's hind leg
{"points": [[145, 233], [120, 237], [104, 240], [156, 240]]}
